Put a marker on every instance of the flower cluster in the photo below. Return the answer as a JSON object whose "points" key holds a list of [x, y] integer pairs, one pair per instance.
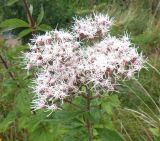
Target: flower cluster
{"points": [[91, 27], [64, 63]]}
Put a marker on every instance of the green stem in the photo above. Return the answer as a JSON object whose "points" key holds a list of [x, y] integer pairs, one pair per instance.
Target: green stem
{"points": [[88, 122]]}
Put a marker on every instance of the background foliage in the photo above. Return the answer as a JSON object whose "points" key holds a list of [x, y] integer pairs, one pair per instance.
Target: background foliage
{"points": [[133, 114]]}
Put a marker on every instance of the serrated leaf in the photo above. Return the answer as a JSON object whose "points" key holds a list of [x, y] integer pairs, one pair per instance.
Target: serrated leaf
{"points": [[24, 32], [114, 100], [23, 102], [31, 122], [13, 23], [44, 27], [108, 108], [96, 115], [11, 2], [40, 16], [7, 121], [109, 103], [40, 136], [68, 116], [108, 135]]}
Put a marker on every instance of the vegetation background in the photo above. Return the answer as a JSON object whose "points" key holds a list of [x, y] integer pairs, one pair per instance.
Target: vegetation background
{"points": [[134, 112]]}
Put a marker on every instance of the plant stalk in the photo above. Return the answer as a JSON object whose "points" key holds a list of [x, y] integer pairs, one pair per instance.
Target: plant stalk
{"points": [[32, 22], [88, 122], [5, 64]]}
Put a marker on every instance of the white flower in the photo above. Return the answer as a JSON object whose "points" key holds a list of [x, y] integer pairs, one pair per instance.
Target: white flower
{"points": [[64, 63], [92, 26]]}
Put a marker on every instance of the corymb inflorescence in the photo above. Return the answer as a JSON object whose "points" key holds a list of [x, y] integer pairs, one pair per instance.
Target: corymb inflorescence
{"points": [[88, 55]]}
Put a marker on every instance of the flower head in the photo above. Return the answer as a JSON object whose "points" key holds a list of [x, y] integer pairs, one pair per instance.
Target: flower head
{"points": [[64, 63], [92, 26]]}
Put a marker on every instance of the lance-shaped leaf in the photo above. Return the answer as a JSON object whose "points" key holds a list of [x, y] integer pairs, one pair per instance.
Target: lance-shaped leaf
{"points": [[25, 32], [44, 27], [13, 23], [11, 2], [40, 16]]}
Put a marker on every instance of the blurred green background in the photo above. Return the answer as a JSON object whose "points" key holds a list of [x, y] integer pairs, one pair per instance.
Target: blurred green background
{"points": [[135, 113]]}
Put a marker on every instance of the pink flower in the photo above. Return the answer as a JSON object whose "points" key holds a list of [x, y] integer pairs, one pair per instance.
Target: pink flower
{"points": [[64, 63]]}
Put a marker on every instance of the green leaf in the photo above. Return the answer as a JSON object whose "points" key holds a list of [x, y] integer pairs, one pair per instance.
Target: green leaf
{"points": [[67, 116], [7, 121], [11, 2], [157, 139], [44, 27], [23, 102], [79, 138], [40, 16], [40, 136], [24, 32], [108, 108], [108, 135], [96, 115], [155, 131], [13, 23], [109, 103], [114, 100], [69, 138]]}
